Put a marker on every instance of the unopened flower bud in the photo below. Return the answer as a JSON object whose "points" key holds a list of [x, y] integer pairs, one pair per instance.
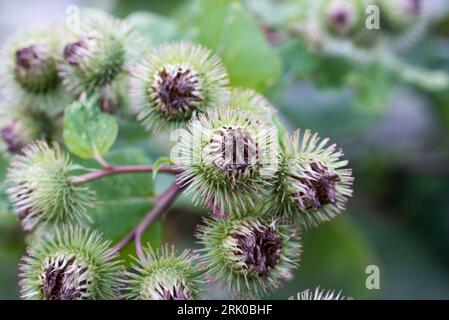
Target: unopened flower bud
{"points": [[164, 276], [97, 55], [41, 187], [312, 184], [29, 71], [71, 264], [175, 82], [224, 154], [252, 255]]}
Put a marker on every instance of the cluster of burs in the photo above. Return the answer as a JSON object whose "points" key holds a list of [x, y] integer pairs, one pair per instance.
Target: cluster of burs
{"points": [[267, 185], [368, 23]]}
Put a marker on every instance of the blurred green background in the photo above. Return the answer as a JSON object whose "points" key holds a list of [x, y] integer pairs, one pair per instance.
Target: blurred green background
{"points": [[395, 135]]}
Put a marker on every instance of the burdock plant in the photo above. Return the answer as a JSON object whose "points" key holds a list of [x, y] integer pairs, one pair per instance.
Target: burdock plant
{"points": [[343, 17], [225, 159], [98, 55], [28, 72], [252, 255], [175, 82], [312, 184], [261, 189], [164, 275], [42, 190], [70, 264]]}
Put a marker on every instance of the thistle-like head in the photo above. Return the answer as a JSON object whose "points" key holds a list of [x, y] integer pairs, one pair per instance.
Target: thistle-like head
{"points": [[41, 187], [342, 16], [164, 275], [71, 264], [252, 254], [12, 137], [252, 102], [226, 157], [28, 70], [312, 184], [21, 127], [176, 81], [35, 68], [97, 55]]}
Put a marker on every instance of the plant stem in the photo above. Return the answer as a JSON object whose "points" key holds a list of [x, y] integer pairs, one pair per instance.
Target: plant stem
{"points": [[92, 176], [163, 202], [102, 161]]}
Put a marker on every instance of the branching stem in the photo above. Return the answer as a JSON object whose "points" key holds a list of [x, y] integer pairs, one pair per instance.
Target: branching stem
{"points": [[163, 202], [111, 170]]}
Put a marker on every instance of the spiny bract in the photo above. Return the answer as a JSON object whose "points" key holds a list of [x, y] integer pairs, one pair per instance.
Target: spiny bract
{"points": [[41, 188], [312, 184], [164, 276], [252, 102], [175, 82], [98, 55], [28, 71], [252, 255], [228, 159], [343, 17], [70, 264]]}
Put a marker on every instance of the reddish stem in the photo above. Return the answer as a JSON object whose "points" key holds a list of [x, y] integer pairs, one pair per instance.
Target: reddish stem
{"points": [[92, 176], [163, 202]]}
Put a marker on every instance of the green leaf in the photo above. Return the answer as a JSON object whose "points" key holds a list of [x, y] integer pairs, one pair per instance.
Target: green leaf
{"points": [[297, 58], [155, 28], [335, 256], [225, 27], [159, 163], [371, 93], [123, 200], [87, 130], [332, 72]]}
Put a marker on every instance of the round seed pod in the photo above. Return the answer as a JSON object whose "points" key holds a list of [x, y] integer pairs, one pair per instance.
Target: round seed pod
{"points": [[312, 184], [226, 159], [343, 18], [28, 72], [42, 189], [98, 55], [164, 275], [174, 83], [252, 255], [71, 264]]}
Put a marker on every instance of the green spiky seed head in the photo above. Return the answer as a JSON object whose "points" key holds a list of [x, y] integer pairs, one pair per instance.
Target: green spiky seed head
{"points": [[18, 129], [97, 55], [343, 17], [319, 294], [252, 255], [175, 82], [41, 187], [397, 16], [164, 275], [14, 135], [226, 157], [252, 102], [29, 74], [312, 184], [71, 264]]}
